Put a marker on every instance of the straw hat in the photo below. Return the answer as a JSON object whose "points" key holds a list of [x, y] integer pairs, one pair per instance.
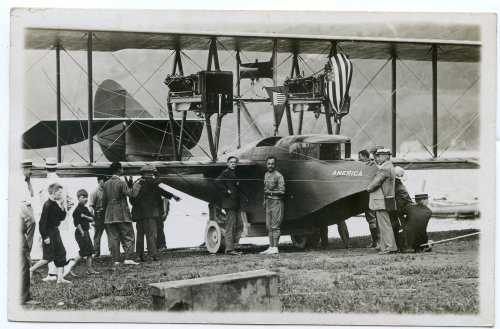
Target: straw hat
{"points": [[26, 163], [50, 163]]}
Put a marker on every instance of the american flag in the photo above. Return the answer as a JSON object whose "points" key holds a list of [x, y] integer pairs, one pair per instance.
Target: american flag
{"points": [[278, 98], [338, 81]]}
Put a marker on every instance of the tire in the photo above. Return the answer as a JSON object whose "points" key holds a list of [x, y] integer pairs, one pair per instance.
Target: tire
{"points": [[312, 240], [214, 238], [303, 241]]}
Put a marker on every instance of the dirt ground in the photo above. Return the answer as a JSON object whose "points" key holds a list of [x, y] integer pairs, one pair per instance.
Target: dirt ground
{"points": [[332, 280]]}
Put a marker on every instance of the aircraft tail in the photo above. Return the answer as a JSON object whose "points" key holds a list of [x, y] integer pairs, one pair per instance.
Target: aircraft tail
{"points": [[137, 139], [125, 130], [113, 101]]}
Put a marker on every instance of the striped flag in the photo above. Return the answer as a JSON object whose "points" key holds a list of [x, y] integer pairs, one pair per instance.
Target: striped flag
{"points": [[338, 81], [278, 98]]}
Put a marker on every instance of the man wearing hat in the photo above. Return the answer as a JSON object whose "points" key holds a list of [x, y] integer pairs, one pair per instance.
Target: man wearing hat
{"points": [[403, 200], [27, 228], [117, 214], [373, 153], [364, 156], [95, 205], [382, 199], [418, 216], [66, 204], [147, 208], [26, 204]]}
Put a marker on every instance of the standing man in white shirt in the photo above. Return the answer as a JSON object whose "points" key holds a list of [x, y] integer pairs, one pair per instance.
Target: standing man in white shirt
{"points": [[274, 194]]}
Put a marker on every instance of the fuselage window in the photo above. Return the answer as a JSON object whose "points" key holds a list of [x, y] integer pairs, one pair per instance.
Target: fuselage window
{"points": [[331, 151], [316, 151], [304, 151]]}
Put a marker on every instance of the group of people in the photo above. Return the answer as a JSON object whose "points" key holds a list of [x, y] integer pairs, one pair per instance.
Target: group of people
{"points": [[274, 193], [108, 211], [396, 222]]}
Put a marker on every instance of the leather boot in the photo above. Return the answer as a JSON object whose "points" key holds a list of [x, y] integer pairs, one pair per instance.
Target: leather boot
{"points": [[375, 238]]}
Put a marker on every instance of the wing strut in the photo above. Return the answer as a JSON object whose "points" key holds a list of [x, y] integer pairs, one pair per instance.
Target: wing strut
{"points": [[295, 69], [434, 102], [393, 101], [238, 94], [91, 96], [58, 96]]}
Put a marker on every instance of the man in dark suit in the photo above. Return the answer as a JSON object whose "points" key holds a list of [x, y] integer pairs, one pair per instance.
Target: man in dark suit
{"points": [[117, 216], [403, 200], [227, 183], [382, 199], [147, 209], [418, 216]]}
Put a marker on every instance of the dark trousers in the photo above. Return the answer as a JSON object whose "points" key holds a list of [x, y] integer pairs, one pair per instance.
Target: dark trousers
{"points": [[343, 232], [397, 228], [55, 251], [416, 234], [99, 229], [25, 271], [30, 230], [160, 233], [146, 226], [121, 232], [234, 228]]}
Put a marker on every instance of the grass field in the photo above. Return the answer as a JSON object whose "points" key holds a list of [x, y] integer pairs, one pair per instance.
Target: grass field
{"points": [[327, 280]]}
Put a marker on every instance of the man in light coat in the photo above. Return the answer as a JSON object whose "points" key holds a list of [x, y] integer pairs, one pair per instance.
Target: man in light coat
{"points": [[117, 216], [382, 200]]}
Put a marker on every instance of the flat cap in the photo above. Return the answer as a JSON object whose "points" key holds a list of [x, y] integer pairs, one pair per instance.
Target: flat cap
{"points": [[422, 196]]}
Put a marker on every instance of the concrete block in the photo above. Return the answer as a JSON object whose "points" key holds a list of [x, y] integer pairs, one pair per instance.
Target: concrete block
{"points": [[255, 291]]}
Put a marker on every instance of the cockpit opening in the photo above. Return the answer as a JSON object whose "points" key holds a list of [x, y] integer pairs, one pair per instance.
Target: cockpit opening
{"points": [[270, 141]]}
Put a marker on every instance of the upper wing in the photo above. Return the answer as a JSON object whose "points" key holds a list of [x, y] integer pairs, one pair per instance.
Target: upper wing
{"points": [[354, 46], [133, 168]]}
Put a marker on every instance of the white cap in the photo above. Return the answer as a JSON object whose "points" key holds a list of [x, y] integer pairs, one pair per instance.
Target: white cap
{"points": [[400, 173]]}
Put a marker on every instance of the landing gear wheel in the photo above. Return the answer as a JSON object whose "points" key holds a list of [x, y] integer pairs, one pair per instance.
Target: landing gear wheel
{"points": [[312, 240], [214, 238], [302, 241]]}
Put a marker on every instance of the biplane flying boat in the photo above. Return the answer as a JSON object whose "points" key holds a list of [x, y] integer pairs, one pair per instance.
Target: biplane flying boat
{"points": [[324, 184]]}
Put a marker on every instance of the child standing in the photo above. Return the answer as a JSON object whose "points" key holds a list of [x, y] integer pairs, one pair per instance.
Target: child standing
{"points": [[81, 218], [53, 248]]}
